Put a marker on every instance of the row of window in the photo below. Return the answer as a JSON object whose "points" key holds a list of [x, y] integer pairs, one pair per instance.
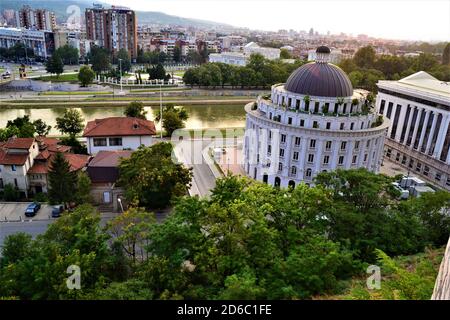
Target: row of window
{"points": [[312, 143], [316, 124], [102, 142], [310, 160], [314, 106], [418, 166]]}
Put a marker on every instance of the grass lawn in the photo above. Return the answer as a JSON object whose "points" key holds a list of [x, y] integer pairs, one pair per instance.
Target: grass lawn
{"points": [[179, 73], [162, 89], [61, 78]]}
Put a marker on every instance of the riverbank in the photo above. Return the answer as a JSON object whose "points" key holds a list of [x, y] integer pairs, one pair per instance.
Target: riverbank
{"points": [[119, 102]]}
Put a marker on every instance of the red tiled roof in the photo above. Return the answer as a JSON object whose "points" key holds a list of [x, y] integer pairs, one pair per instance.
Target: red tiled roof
{"points": [[119, 126], [109, 158], [76, 161], [19, 143], [13, 158], [47, 141], [43, 155], [58, 148]]}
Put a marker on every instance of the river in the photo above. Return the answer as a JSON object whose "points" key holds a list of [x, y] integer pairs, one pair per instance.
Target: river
{"points": [[200, 116]]}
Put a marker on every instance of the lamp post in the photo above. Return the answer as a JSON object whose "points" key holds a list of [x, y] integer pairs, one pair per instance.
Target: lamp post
{"points": [[120, 202], [120, 63], [160, 108]]}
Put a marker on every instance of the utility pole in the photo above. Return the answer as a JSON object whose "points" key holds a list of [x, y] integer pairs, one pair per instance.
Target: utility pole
{"points": [[160, 108]]}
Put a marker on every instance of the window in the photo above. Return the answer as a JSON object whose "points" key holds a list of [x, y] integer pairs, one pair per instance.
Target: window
{"points": [[345, 108], [368, 144], [315, 124], [297, 141], [270, 134], [343, 145], [115, 141], [326, 159], [351, 126], [356, 145], [269, 149], [328, 145], [362, 125], [283, 138], [341, 160], [354, 159], [365, 157], [403, 159], [418, 166], [310, 158], [448, 182], [294, 170], [342, 126], [438, 176], [426, 170], [13, 167], [289, 120], [302, 123], [15, 183], [397, 157], [1, 183], [312, 144], [99, 142], [388, 153], [308, 172], [280, 166], [281, 152], [295, 155], [328, 125]]}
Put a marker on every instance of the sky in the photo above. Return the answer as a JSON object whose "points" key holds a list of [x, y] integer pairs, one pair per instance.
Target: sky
{"points": [[394, 19]]}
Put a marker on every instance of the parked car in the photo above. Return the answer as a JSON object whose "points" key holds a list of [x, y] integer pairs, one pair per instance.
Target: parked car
{"points": [[32, 209], [57, 210]]}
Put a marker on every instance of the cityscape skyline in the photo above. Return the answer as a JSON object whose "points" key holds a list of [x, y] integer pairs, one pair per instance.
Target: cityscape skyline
{"points": [[434, 16]]}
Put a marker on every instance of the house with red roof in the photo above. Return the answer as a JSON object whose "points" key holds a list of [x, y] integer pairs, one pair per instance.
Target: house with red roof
{"points": [[16, 158], [118, 133]]}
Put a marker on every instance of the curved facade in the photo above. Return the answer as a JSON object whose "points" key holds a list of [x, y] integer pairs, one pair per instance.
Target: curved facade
{"points": [[291, 137]]}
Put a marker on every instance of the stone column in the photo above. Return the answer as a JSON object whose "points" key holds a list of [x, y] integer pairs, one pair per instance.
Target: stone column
{"points": [[441, 136], [408, 127], [424, 129], [433, 127], [416, 126], [401, 120]]}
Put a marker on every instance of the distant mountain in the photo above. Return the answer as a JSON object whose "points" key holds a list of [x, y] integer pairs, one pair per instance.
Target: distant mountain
{"points": [[144, 17]]}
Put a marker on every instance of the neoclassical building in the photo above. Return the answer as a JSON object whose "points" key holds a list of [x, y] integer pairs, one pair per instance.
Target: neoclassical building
{"points": [[314, 122]]}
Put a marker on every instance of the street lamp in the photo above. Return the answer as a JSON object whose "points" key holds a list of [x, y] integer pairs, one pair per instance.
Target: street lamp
{"points": [[120, 202], [120, 63]]}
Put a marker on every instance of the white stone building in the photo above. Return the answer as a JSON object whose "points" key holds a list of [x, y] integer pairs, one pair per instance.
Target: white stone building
{"points": [[233, 58], [314, 122], [419, 137], [118, 133]]}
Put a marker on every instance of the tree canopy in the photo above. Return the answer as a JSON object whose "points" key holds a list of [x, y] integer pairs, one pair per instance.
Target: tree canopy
{"points": [[70, 123]]}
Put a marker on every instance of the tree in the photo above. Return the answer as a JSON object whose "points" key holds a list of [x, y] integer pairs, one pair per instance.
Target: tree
{"points": [[16, 247], [190, 77], [365, 57], [158, 72], [21, 127], [173, 118], [99, 59], [285, 54], [151, 179], [123, 55], [68, 54], [10, 193], [41, 128], [70, 123], [83, 188], [75, 144], [177, 54], [62, 181], [55, 65], [446, 55], [86, 76], [135, 109]]}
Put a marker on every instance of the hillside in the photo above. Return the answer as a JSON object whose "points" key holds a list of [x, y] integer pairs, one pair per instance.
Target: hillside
{"points": [[144, 17]]}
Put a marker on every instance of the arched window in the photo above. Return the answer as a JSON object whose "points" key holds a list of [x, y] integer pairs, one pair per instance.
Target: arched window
{"points": [[291, 184], [277, 182], [308, 173], [265, 178], [293, 170], [255, 173]]}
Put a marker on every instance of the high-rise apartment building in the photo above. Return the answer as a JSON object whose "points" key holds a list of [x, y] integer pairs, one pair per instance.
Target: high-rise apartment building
{"points": [[39, 19], [113, 29]]}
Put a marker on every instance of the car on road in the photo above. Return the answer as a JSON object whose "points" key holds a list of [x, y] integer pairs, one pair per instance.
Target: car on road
{"points": [[57, 210], [32, 209]]}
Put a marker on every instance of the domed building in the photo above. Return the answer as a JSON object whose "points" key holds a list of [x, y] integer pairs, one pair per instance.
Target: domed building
{"points": [[315, 122]]}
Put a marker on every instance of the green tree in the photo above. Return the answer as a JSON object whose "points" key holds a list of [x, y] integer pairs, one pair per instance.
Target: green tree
{"points": [[135, 109], [86, 76], [190, 77], [177, 54], [41, 128], [55, 65], [173, 118], [285, 54], [123, 55], [446, 55], [75, 144], [10, 193], [21, 127], [62, 181], [100, 59], [83, 188], [157, 72], [68, 54], [150, 177], [70, 123], [15, 248], [365, 57]]}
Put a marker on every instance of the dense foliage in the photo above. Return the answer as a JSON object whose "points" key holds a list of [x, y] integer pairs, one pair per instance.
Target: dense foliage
{"points": [[135, 109], [259, 72], [173, 117], [366, 68], [247, 241], [86, 76]]}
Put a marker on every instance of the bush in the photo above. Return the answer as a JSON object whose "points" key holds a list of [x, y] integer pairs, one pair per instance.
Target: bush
{"points": [[10, 193], [40, 197]]}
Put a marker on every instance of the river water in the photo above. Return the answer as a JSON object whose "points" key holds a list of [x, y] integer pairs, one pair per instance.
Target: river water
{"points": [[200, 116]]}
